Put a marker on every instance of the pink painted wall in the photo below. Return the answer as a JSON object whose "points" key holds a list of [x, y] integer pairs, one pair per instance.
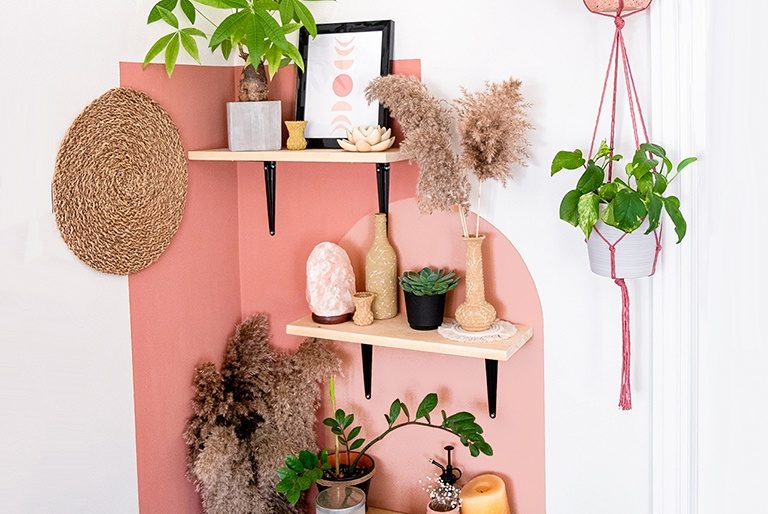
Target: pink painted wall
{"points": [[223, 265], [185, 305]]}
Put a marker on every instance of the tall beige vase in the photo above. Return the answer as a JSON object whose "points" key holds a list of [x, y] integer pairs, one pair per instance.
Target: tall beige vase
{"points": [[475, 314], [381, 271]]}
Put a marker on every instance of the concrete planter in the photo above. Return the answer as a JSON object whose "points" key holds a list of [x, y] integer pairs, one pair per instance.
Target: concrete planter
{"points": [[254, 126]]}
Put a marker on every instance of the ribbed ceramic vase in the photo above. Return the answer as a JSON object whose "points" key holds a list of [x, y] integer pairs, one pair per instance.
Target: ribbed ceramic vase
{"points": [[296, 139], [475, 314], [381, 271]]}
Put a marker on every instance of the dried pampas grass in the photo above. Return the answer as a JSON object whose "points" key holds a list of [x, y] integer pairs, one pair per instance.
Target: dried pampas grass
{"points": [[427, 123], [246, 418], [493, 127], [493, 130]]}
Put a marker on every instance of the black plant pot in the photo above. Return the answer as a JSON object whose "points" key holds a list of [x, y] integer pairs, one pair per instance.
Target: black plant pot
{"points": [[425, 312]]}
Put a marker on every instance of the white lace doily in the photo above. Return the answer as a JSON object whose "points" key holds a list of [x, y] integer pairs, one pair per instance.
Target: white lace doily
{"points": [[499, 331]]}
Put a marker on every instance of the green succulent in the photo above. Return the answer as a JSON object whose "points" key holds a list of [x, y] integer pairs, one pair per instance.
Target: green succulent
{"points": [[428, 282]]}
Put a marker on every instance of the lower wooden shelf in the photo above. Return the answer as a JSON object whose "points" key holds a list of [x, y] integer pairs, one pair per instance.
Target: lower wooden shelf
{"points": [[395, 333]]}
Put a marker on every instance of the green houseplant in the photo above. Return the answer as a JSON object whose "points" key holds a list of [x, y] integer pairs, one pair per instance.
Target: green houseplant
{"points": [[626, 211], [350, 463], [425, 292], [259, 30]]}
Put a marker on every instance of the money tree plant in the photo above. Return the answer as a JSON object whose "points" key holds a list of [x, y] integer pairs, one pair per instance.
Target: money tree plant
{"points": [[305, 468], [258, 29], [623, 204]]}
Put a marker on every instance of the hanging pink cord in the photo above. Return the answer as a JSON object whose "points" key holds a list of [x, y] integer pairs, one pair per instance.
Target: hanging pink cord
{"points": [[619, 49]]}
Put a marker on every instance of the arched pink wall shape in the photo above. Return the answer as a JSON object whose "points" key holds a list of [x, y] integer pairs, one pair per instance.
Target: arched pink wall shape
{"points": [[517, 434]]}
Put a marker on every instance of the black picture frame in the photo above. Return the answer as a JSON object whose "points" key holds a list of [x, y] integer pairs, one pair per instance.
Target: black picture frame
{"points": [[387, 27]]}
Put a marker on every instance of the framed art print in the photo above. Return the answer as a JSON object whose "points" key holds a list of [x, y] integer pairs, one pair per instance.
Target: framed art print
{"points": [[338, 65]]}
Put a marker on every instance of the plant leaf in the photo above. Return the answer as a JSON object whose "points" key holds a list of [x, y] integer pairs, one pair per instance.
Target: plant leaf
{"points": [[226, 28], [567, 160], [569, 207], [189, 10], [154, 14], [354, 433], [628, 210], [356, 444], [589, 210], [307, 459], [685, 163], [394, 411], [305, 17], [190, 45], [661, 184], [171, 54], [607, 192], [672, 206], [591, 179], [168, 16], [158, 47], [427, 405], [294, 463], [286, 11], [254, 38], [655, 203]]}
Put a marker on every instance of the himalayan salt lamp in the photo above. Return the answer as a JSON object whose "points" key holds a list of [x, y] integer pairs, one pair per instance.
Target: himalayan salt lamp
{"points": [[484, 494], [330, 284]]}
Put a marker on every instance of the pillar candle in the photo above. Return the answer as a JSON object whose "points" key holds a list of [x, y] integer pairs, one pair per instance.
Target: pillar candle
{"points": [[485, 494]]}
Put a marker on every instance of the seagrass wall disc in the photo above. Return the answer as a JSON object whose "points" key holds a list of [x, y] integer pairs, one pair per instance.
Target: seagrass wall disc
{"points": [[120, 182]]}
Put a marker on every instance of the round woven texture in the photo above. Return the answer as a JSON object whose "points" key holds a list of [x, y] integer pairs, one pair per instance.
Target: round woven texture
{"points": [[120, 182]]}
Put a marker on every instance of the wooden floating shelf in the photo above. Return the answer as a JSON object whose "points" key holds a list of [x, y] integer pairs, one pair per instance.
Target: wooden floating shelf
{"points": [[395, 333], [270, 158], [308, 155]]}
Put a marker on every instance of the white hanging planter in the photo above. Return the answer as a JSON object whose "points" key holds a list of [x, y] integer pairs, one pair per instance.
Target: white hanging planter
{"points": [[635, 253]]}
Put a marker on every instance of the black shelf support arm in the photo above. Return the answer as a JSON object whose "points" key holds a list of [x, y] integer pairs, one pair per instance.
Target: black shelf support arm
{"points": [[270, 176], [491, 382], [382, 185], [367, 365]]}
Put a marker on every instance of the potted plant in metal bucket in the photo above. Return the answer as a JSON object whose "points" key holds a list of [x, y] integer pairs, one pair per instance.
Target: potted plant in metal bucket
{"points": [[258, 29], [351, 465], [425, 292], [622, 217]]}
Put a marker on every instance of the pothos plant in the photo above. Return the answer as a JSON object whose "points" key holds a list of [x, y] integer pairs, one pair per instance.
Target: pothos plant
{"points": [[626, 203], [257, 28], [305, 468]]}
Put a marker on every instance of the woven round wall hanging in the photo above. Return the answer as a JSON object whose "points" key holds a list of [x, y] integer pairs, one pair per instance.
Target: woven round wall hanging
{"points": [[120, 182]]}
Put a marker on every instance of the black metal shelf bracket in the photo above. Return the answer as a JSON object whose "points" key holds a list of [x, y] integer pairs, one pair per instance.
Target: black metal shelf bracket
{"points": [[367, 365], [382, 185], [270, 177], [491, 383]]}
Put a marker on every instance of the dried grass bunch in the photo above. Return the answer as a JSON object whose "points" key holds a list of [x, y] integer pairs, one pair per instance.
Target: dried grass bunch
{"points": [[492, 126], [260, 407], [428, 124]]}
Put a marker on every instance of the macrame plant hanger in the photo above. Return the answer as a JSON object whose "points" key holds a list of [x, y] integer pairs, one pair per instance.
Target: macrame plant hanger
{"points": [[619, 55]]}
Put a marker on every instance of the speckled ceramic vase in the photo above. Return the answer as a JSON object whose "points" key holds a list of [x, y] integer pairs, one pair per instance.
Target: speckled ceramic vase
{"points": [[475, 314], [381, 271], [363, 314], [296, 139]]}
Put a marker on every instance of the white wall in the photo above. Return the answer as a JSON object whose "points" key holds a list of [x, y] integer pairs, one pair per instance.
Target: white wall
{"points": [[66, 397], [598, 458], [732, 248]]}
